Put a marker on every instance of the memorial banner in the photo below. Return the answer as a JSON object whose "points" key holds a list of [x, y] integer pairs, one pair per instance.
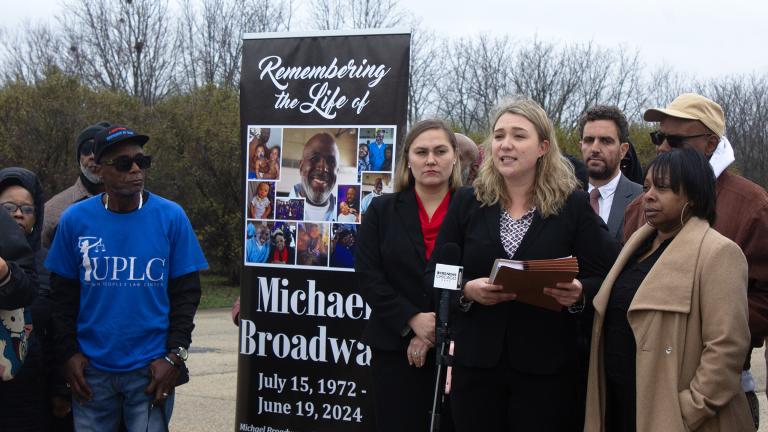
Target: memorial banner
{"points": [[322, 115]]}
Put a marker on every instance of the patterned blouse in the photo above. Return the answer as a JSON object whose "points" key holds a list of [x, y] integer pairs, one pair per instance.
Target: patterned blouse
{"points": [[513, 230]]}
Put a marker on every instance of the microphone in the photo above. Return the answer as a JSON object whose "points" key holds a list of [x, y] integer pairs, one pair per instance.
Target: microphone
{"points": [[447, 278], [447, 271]]}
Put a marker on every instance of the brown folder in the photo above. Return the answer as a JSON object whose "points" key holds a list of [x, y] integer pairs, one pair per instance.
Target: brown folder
{"points": [[528, 279]]}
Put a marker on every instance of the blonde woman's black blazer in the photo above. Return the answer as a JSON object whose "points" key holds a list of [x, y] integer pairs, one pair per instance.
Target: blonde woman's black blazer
{"points": [[537, 340]]}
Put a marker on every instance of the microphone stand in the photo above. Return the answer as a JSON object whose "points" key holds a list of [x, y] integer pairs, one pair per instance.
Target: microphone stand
{"points": [[442, 358]]}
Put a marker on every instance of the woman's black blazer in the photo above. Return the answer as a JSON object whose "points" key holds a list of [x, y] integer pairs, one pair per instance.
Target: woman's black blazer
{"points": [[390, 260], [538, 341]]}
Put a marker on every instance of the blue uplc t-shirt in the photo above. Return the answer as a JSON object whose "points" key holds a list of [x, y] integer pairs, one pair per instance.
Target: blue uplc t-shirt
{"points": [[123, 262]]}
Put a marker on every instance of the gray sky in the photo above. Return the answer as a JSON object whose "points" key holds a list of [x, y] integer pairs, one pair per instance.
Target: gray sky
{"points": [[702, 37]]}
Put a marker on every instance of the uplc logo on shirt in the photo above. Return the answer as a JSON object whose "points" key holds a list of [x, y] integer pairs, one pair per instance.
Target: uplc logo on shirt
{"points": [[99, 267]]}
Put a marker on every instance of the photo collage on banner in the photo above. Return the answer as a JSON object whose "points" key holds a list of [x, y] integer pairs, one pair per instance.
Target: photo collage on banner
{"points": [[307, 191]]}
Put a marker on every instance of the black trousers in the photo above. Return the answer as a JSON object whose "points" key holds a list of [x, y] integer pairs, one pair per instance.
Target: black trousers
{"points": [[501, 399], [23, 400], [403, 394], [620, 406]]}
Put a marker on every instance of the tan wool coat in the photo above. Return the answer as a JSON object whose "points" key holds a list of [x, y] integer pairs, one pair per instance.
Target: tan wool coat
{"points": [[690, 321]]}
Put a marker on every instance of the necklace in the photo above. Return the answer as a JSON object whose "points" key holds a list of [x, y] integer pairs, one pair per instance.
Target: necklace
{"points": [[106, 201]]}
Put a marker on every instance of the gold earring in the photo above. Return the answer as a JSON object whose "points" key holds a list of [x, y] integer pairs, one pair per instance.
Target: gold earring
{"points": [[682, 212]]}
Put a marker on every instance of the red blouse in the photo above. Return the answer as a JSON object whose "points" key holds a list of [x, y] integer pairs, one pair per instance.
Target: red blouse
{"points": [[281, 257], [430, 228]]}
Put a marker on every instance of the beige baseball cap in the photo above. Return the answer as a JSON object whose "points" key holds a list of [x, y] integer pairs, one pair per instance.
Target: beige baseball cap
{"points": [[691, 106]]}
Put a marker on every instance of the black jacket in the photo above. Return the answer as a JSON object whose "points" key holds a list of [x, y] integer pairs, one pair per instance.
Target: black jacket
{"points": [[390, 260], [537, 340], [14, 249], [15, 176]]}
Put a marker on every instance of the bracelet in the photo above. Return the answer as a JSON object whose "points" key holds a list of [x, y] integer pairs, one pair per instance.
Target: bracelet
{"points": [[578, 306], [464, 304], [168, 359]]}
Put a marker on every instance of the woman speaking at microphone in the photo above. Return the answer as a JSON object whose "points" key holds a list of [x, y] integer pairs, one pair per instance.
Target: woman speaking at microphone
{"points": [[396, 240], [519, 367]]}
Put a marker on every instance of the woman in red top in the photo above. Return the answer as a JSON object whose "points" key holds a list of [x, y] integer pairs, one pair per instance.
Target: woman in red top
{"points": [[396, 239]]}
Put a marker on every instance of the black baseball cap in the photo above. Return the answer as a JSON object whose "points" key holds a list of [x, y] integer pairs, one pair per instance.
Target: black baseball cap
{"points": [[113, 136], [88, 134]]}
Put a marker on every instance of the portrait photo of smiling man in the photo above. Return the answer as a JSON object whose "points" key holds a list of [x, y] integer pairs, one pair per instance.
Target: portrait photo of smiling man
{"points": [[319, 170], [315, 162]]}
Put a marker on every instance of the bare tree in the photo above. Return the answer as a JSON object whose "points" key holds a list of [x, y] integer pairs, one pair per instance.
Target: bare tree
{"points": [[595, 65], [564, 79], [210, 37], [121, 45], [549, 75], [476, 75], [376, 13], [606, 76], [625, 89], [745, 102], [326, 14], [490, 76], [30, 53], [454, 103], [665, 84], [356, 14], [428, 67]]}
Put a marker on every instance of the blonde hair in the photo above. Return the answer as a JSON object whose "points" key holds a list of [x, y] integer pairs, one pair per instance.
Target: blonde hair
{"points": [[403, 177], [554, 180]]}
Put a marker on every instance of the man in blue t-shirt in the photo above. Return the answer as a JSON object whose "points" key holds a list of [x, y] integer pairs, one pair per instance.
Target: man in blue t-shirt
{"points": [[376, 151], [125, 277]]}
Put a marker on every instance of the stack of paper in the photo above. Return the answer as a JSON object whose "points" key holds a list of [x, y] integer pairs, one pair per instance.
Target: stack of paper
{"points": [[528, 279]]}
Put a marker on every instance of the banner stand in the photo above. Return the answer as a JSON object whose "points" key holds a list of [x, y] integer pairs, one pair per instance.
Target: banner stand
{"points": [[322, 115]]}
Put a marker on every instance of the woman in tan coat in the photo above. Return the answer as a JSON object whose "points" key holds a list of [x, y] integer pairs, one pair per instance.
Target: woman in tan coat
{"points": [[670, 332]]}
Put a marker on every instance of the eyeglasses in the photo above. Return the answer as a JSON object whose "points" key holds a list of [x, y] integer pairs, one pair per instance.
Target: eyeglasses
{"points": [[658, 138], [87, 148], [125, 163], [12, 207]]}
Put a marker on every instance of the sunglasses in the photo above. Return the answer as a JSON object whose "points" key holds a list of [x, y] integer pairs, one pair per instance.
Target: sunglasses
{"points": [[675, 141], [125, 163], [87, 148], [12, 207]]}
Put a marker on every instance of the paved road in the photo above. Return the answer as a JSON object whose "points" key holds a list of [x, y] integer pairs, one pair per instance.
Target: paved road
{"points": [[207, 403]]}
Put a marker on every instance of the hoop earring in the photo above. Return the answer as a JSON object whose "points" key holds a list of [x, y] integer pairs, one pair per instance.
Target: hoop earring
{"points": [[682, 212]]}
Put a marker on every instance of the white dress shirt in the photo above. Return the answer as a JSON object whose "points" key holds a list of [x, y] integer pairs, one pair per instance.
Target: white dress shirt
{"points": [[606, 196]]}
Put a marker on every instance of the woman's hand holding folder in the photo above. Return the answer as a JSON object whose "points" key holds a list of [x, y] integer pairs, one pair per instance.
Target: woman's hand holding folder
{"points": [[482, 291]]}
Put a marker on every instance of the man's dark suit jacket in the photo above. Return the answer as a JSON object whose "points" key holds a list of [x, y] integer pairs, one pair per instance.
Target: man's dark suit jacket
{"points": [[539, 341], [626, 191], [390, 260]]}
